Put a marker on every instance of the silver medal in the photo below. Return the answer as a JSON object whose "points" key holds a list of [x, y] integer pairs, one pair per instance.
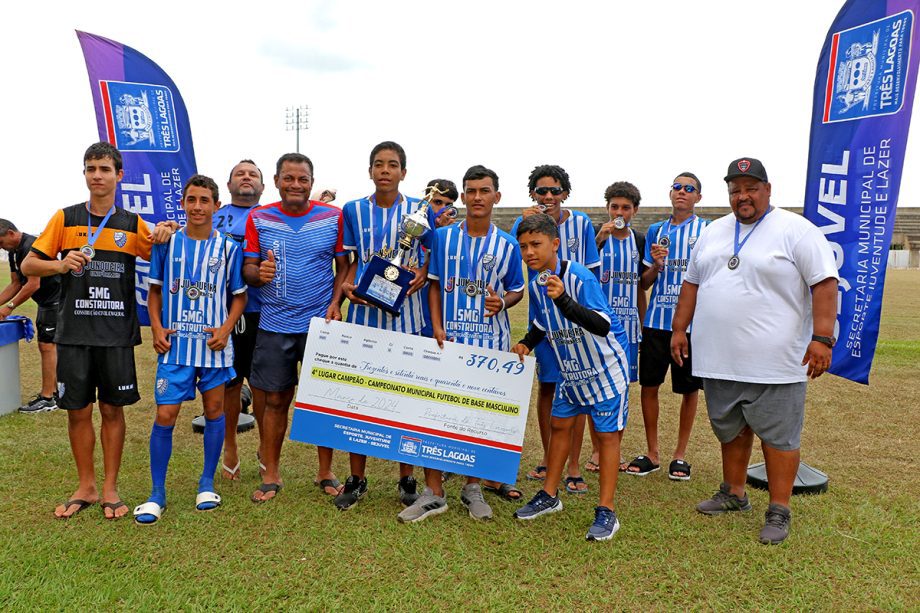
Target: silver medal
{"points": [[193, 292], [471, 289], [450, 212], [88, 251], [619, 223], [664, 241], [543, 277], [733, 262]]}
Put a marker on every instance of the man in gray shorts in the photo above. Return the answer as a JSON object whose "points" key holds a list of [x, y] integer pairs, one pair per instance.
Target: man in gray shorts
{"points": [[761, 290]]}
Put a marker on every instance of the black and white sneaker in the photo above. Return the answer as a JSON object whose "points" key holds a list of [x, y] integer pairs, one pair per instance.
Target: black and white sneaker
{"points": [[407, 490], [39, 404], [354, 490]]}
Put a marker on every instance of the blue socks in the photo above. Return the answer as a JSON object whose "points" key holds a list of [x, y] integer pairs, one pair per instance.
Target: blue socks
{"points": [[213, 445], [161, 443]]}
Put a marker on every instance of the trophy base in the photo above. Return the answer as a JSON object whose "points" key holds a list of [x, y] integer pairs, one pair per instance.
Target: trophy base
{"points": [[384, 285]]}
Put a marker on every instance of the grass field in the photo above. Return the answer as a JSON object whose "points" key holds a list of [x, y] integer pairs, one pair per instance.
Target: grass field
{"points": [[853, 548]]}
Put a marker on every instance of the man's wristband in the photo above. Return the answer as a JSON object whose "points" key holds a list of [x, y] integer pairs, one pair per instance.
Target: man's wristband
{"points": [[830, 341], [503, 304]]}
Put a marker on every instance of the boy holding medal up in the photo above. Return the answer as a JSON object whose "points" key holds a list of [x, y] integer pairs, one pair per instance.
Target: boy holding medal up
{"points": [[475, 277], [667, 253], [191, 332], [99, 244], [589, 345]]}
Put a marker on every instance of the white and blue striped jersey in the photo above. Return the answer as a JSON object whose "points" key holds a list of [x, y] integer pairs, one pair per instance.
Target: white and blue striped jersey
{"points": [[372, 230], [577, 240], [465, 265], [621, 267], [213, 267], [666, 289], [594, 368]]}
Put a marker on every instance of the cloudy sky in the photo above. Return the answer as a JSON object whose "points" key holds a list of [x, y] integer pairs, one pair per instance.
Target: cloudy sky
{"points": [[634, 91]]}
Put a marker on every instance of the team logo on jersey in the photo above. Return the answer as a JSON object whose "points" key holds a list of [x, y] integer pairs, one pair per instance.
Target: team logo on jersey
{"points": [[868, 68], [692, 241], [121, 238], [488, 261], [572, 243], [162, 386], [635, 254], [449, 285], [174, 286], [60, 388], [214, 264], [140, 116], [79, 272], [605, 276]]}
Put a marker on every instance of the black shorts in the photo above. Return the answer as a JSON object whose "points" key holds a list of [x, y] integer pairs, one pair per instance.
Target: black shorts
{"points": [[46, 323], [81, 370], [655, 359], [244, 343], [275, 360]]}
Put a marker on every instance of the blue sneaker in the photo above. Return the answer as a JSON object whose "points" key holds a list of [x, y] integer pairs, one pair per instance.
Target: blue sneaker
{"points": [[540, 504], [605, 525]]}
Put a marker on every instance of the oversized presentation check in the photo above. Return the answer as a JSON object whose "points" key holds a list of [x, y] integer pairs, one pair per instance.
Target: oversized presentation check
{"points": [[462, 409]]}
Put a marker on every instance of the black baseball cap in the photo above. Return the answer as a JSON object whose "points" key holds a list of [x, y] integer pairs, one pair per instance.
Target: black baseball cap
{"points": [[746, 167]]}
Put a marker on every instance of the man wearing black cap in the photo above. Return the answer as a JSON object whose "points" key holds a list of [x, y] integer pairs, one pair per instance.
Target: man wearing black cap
{"points": [[761, 289]]}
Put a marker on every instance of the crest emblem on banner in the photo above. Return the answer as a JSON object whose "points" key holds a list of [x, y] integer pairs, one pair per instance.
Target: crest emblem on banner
{"points": [[140, 117], [121, 239], [867, 74], [409, 446]]}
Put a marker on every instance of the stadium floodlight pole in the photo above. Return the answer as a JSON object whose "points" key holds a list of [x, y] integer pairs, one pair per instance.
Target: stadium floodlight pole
{"points": [[295, 118]]}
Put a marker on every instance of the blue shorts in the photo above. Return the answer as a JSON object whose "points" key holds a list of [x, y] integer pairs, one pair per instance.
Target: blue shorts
{"points": [[547, 366], [607, 415], [175, 383]]}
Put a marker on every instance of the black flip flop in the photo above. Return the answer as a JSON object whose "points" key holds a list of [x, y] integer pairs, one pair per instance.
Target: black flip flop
{"points": [[113, 505], [571, 485], [265, 488], [81, 504], [333, 483]]}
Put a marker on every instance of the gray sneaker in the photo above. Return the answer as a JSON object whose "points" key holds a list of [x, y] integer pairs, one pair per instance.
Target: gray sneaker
{"points": [[776, 528], [723, 502], [471, 497], [425, 505], [39, 404]]}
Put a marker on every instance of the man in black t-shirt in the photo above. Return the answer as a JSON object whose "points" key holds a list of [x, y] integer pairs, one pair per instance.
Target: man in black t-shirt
{"points": [[45, 292]]}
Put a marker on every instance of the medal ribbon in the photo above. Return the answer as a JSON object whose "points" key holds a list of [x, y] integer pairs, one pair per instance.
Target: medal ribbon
{"points": [[738, 245], [676, 229], [92, 237], [472, 259], [380, 237], [188, 251]]}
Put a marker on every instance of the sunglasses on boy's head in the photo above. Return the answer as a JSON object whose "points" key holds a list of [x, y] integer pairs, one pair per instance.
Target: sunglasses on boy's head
{"points": [[542, 191], [687, 188]]}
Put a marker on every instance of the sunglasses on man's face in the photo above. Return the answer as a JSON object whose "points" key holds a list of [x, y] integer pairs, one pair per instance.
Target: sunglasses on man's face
{"points": [[687, 188], [542, 191]]}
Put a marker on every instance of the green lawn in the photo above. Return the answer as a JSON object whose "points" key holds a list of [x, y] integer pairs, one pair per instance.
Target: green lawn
{"points": [[855, 547]]}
